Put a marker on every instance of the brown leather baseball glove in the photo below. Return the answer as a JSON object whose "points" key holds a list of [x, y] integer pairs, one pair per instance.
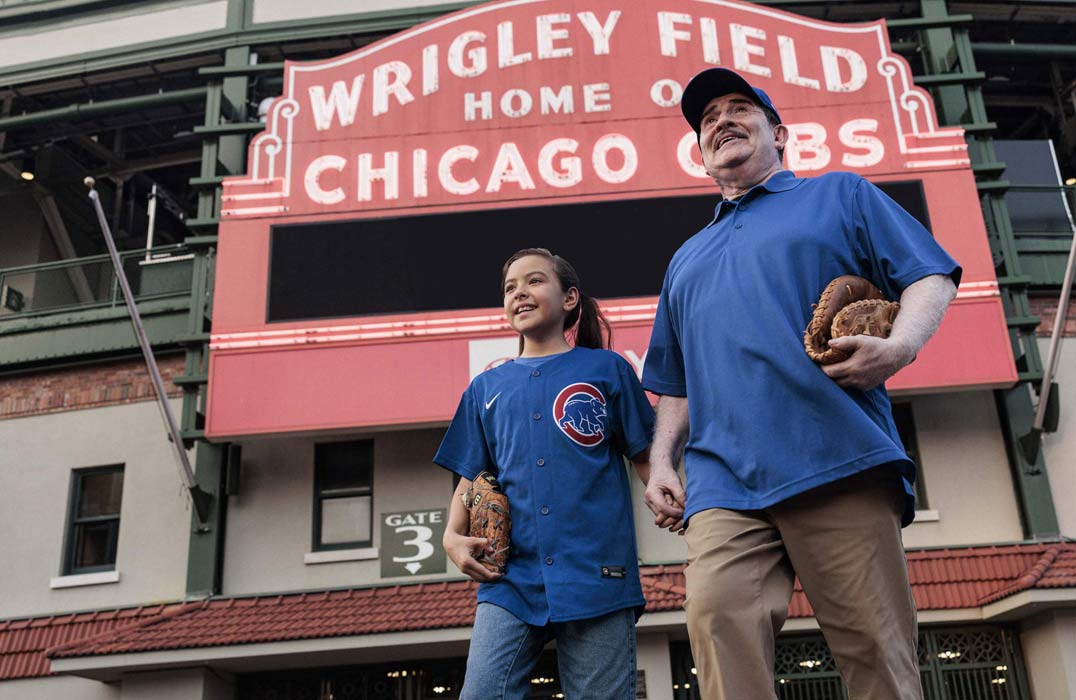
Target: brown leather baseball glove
{"points": [[849, 305], [490, 518]]}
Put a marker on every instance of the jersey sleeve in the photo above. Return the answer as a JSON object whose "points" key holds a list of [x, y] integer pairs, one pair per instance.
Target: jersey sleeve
{"points": [[634, 428], [464, 449], [894, 249], [663, 372]]}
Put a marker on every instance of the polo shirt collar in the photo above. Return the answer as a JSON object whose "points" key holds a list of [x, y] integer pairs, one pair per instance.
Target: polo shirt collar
{"points": [[781, 181]]}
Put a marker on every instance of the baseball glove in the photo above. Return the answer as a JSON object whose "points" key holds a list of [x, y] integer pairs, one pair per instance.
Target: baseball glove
{"points": [[849, 305], [490, 518]]}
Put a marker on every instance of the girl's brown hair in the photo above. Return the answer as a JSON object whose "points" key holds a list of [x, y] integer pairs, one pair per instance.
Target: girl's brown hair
{"points": [[592, 330]]}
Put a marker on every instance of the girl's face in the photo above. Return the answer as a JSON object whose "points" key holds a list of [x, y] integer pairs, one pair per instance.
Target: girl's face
{"points": [[534, 302]]}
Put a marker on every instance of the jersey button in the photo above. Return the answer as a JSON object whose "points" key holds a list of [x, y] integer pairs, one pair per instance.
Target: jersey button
{"points": [[549, 561], [545, 510], [536, 373], [537, 416], [739, 225], [541, 462]]}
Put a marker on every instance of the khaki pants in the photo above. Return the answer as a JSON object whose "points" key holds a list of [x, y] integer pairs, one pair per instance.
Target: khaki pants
{"points": [[843, 541]]}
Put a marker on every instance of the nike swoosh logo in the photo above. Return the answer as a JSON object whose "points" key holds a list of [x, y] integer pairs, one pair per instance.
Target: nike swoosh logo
{"points": [[490, 402]]}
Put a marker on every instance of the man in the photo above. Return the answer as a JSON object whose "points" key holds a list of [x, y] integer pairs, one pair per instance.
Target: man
{"points": [[793, 469]]}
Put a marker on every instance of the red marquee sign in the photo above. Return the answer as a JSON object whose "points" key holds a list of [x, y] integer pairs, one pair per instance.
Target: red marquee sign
{"points": [[530, 102]]}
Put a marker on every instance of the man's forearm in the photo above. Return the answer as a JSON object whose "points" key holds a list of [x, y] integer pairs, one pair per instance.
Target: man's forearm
{"points": [[670, 433], [459, 518], [922, 306]]}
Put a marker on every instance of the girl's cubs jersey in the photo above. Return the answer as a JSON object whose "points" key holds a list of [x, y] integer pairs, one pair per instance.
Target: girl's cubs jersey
{"points": [[555, 435]]}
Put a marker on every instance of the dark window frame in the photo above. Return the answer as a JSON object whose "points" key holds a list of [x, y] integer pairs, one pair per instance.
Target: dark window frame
{"points": [[904, 419], [74, 522], [321, 495]]}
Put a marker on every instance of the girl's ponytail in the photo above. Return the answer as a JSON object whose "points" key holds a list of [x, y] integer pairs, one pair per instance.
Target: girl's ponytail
{"points": [[593, 330]]}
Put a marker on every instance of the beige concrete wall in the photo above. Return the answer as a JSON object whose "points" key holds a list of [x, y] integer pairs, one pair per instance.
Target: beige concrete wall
{"points": [[37, 456], [963, 453], [270, 522], [58, 688], [184, 684], [1049, 642], [288, 10], [125, 26], [1059, 448]]}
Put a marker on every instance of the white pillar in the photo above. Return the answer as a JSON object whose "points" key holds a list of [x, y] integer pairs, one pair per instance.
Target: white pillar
{"points": [[1049, 642], [656, 664]]}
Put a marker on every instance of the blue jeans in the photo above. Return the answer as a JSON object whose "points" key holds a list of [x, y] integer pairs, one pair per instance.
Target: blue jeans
{"points": [[596, 657]]}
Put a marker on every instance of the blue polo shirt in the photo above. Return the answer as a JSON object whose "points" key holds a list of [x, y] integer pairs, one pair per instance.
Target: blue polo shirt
{"points": [[555, 434], [766, 422]]}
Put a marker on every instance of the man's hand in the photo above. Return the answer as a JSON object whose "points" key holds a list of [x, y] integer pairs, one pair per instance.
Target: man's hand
{"points": [[871, 362], [874, 360], [462, 550], [666, 499]]}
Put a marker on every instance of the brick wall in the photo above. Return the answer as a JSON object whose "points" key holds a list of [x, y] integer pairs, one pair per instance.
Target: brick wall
{"points": [[90, 386], [1046, 308]]}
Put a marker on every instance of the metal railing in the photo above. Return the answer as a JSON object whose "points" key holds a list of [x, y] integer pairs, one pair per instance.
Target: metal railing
{"points": [[90, 282]]}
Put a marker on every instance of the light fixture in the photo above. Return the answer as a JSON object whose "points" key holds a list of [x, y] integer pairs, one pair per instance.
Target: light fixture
{"points": [[26, 172], [1071, 181]]}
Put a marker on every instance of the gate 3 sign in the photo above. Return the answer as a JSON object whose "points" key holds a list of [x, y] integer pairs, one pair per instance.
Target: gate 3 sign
{"points": [[411, 543], [522, 103]]}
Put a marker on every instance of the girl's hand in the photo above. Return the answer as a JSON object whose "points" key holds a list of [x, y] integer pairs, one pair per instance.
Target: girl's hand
{"points": [[462, 550]]}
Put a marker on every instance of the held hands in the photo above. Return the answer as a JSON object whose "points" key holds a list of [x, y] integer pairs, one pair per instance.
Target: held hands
{"points": [[462, 550], [665, 498], [873, 360]]}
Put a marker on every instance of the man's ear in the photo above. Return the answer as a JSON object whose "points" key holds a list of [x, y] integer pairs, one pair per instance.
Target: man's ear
{"points": [[780, 136]]}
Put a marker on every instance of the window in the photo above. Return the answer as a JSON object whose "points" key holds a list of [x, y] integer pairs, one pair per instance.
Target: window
{"points": [[902, 416], [343, 494], [93, 522]]}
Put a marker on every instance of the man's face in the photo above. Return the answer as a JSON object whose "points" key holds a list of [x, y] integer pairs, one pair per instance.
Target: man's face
{"points": [[735, 133]]}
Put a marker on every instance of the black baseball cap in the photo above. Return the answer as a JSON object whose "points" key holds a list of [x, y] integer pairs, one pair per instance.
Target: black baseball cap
{"points": [[715, 82]]}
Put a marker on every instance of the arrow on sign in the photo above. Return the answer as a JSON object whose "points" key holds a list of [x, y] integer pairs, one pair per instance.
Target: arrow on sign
{"points": [[413, 567]]}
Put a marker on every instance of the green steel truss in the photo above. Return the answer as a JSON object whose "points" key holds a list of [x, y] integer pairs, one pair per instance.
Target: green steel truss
{"points": [[947, 49]]}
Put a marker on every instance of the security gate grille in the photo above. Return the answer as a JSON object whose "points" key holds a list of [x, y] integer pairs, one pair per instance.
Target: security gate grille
{"points": [[967, 663]]}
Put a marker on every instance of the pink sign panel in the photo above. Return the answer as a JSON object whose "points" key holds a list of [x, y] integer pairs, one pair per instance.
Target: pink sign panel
{"points": [[526, 103]]}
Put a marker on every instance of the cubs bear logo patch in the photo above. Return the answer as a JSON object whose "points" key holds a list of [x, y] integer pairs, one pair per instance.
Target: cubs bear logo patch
{"points": [[579, 410]]}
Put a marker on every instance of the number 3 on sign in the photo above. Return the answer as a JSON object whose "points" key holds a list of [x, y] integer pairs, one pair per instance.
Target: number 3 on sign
{"points": [[421, 542], [411, 543]]}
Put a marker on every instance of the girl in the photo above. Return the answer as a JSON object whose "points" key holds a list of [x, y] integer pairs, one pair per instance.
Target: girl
{"points": [[552, 425]]}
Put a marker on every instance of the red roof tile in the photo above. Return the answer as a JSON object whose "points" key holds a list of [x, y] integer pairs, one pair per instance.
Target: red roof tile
{"points": [[23, 642], [941, 580]]}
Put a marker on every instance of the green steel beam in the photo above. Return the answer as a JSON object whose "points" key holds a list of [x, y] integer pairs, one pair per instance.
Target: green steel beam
{"points": [[931, 19], [224, 152], [96, 109], [1032, 485], [948, 79], [232, 128], [947, 49], [47, 340], [205, 554], [1030, 50], [226, 71]]}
